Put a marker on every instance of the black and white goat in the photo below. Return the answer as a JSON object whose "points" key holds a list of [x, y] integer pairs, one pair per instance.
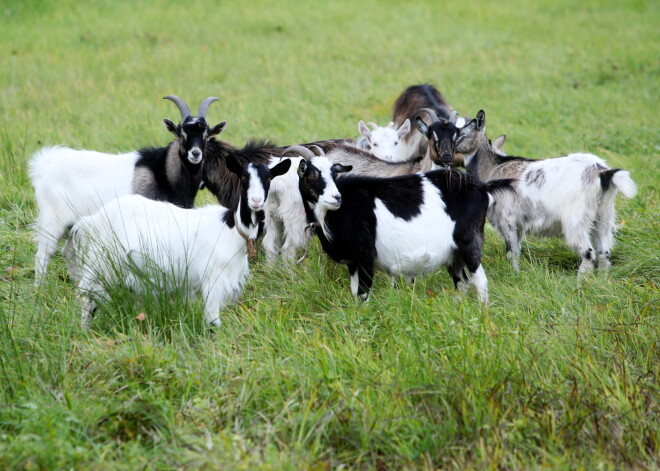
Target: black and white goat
{"points": [[286, 231], [405, 225], [570, 197], [69, 184], [286, 227], [205, 247]]}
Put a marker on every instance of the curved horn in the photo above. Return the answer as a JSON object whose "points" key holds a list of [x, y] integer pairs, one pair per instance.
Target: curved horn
{"points": [[317, 150], [201, 113], [431, 113], [302, 151], [452, 117], [183, 108], [375, 126]]}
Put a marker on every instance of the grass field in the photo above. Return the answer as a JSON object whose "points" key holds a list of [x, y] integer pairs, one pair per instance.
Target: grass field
{"points": [[555, 373]]}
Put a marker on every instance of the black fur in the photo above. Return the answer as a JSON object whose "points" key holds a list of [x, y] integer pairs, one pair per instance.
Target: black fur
{"points": [[225, 185], [353, 226], [265, 176], [181, 192], [606, 178]]}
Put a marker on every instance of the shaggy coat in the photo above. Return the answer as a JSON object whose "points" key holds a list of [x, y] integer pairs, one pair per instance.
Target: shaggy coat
{"points": [[206, 248], [571, 197]]}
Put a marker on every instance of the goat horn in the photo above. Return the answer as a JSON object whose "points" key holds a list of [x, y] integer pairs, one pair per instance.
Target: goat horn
{"points": [[302, 151], [183, 108], [205, 106], [431, 113], [452, 117], [375, 126], [317, 150]]}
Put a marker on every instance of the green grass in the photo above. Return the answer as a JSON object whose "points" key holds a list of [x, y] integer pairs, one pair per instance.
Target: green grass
{"points": [[555, 373]]}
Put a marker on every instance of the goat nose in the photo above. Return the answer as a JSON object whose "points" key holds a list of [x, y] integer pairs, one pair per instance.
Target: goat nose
{"points": [[257, 199], [338, 198], [196, 152]]}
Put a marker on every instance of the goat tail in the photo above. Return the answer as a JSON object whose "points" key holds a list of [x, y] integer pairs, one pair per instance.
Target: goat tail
{"points": [[493, 187], [620, 180]]}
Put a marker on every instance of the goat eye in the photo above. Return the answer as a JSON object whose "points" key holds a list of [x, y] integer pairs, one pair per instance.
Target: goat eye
{"points": [[375, 144], [311, 177], [396, 143]]}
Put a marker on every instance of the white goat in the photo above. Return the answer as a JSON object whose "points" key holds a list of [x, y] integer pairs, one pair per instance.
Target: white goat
{"points": [[570, 197], [383, 142], [69, 184], [205, 247]]}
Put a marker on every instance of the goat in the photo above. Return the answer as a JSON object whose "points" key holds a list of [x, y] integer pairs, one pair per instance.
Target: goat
{"points": [[383, 142], [405, 225], [70, 183], [207, 247], [286, 228], [224, 184], [570, 197], [407, 106]]}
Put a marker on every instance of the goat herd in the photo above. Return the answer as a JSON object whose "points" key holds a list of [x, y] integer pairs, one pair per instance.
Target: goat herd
{"points": [[387, 200]]}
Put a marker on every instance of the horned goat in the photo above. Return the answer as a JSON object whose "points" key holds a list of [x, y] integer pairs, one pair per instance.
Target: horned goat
{"points": [[405, 225], [70, 184]]}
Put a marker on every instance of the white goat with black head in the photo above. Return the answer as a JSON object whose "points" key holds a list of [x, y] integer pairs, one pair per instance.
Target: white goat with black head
{"points": [[571, 197], [206, 248], [70, 184], [405, 225]]}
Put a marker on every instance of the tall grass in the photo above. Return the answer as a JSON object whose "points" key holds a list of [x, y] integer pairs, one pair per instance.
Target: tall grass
{"points": [[555, 372]]}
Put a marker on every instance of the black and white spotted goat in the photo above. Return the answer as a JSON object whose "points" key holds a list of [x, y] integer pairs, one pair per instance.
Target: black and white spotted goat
{"points": [[69, 183], [205, 248], [405, 225], [570, 197]]}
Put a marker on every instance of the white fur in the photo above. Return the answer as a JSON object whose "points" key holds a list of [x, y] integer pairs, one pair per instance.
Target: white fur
{"points": [[69, 184], [161, 239], [285, 215], [385, 142], [286, 221], [569, 203], [409, 247]]}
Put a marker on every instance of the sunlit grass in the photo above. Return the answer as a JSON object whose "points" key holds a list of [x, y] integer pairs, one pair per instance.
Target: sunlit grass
{"points": [[556, 372]]}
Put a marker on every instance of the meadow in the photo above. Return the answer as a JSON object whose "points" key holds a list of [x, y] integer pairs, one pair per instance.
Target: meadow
{"points": [[555, 373]]}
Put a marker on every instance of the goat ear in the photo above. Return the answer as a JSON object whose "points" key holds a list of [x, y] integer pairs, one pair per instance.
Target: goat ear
{"points": [[233, 165], [499, 141], [301, 168], [467, 129], [217, 129], [339, 168], [481, 120], [171, 127], [364, 130], [421, 126], [281, 168], [404, 129]]}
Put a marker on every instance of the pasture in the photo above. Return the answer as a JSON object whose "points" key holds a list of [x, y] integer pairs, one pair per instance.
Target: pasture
{"points": [[554, 373]]}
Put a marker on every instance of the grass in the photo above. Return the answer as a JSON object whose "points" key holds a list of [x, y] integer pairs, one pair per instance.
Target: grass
{"points": [[555, 373]]}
